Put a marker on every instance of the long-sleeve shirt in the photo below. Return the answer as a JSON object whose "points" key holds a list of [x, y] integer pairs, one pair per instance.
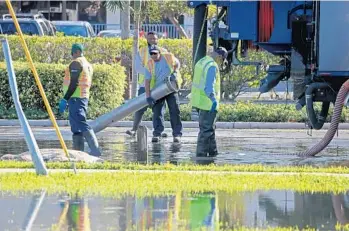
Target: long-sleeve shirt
{"points": [[210, 82], [75, 70], [139, 65]]}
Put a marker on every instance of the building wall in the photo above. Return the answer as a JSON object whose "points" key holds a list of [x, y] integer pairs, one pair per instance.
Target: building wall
{"points": [[113, 19]]}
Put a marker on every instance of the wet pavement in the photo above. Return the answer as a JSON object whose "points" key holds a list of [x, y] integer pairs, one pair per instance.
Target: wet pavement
{"points": [[250, 209], [235, 146], [182, 210]]}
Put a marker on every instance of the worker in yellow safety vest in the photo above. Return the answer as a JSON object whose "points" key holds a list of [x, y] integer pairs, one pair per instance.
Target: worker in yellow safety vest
{"points": [[141, 62], [76, 89], [205, 96], [160, 67]]}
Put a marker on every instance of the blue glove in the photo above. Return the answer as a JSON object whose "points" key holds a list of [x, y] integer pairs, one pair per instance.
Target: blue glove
{"points": [[214, 106], [62, 106], [150, 101]]}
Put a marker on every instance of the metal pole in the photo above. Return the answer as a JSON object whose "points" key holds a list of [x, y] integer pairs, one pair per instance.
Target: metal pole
{"points": [[38, 83], [33, 211], [28, 134], [132, 105]]}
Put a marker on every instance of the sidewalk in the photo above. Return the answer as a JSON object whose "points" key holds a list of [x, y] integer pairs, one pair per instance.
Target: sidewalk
{"points": [[186, 124]]}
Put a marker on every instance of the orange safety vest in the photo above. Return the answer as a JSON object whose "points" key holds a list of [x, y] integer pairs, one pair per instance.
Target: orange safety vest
{"points": [[170, 60], [144, 53], [84, 82]]}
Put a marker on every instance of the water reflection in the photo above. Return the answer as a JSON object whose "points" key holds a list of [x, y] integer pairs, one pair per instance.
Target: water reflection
{"points": [[117, 148], [75, 215], [179, 211]]}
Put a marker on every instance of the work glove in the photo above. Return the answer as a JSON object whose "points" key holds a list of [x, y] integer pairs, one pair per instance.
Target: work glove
{"points": [[62, 106], [151, 102], [214, 106]]}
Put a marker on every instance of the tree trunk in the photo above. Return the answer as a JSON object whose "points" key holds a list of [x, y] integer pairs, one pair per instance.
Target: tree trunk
{"points": [[125, 21], [64, 10], [135, 48], [178, 26]]}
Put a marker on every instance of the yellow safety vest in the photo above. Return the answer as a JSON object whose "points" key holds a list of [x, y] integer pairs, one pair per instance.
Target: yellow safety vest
{"points": [[85, 79], [199, 99], [145, 56], [170, 60]]}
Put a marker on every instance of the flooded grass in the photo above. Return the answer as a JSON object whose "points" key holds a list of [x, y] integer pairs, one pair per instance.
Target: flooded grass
{"points": [[116, 184], [180, 167]]}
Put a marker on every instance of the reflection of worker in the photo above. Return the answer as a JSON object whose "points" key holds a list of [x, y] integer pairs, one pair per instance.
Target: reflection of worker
{"points": [[202, 209], [205, 95], [76, 87], [160, 67], [75, 216], [141, 61]]}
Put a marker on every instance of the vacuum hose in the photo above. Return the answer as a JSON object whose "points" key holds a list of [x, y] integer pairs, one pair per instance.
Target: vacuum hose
{"points": [[315, 122], [337, 112]]}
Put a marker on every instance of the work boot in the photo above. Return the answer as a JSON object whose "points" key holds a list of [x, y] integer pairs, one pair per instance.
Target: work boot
{"points": [[78, 142], [92, 142], [164, 135], [155, 139], [177, 139], [131, 132], [212, 148]]}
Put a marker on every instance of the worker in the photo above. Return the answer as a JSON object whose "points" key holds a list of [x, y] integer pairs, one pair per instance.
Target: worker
{"points": [[160, 67], [141, 61], [76, 87], [205, 96]]}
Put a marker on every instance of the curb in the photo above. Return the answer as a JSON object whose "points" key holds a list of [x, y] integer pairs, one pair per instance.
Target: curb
{"points": [[186, 124]]}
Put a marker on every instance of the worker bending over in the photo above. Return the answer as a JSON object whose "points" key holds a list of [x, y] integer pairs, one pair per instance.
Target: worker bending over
{"points": [[142, 59], [160, 67]]}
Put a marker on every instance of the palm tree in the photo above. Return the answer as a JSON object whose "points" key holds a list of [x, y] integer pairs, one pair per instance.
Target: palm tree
{"points": [[114, 5], [124, 6]]}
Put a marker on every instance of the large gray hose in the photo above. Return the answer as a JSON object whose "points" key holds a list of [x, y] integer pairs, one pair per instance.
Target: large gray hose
{"points": [[337, 112], [316, 122]]}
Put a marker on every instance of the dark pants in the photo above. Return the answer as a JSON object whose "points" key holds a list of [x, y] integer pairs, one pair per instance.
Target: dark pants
{"points": [[175, 118], [77, 115], [139, 114], [207, 139]]}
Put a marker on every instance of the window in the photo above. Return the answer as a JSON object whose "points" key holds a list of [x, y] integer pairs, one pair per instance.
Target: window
{"points": [[91, 32], [29, 28], [72, 30], [50, 31], [44, 28]]}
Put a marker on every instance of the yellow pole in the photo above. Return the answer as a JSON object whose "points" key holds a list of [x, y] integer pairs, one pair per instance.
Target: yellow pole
{"points": [[37, 80]]}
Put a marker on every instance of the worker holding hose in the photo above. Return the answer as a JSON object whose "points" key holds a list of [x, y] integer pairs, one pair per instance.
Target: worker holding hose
{"points": [[76, 89], [160, 67], [205, 96], [141, 62]]}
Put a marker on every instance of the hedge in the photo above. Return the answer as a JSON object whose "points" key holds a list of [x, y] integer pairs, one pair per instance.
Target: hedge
{"points": [[107, 89], [104, 50], [48, 49], [238, 112]]}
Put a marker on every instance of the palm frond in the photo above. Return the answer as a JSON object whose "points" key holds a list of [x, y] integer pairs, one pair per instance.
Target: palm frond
{"points": [[113, 5]]}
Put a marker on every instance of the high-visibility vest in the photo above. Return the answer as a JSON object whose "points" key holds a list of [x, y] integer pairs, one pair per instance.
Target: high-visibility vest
{"points": [[199, 99], [170, 60], [145, 56], [85, 79]]}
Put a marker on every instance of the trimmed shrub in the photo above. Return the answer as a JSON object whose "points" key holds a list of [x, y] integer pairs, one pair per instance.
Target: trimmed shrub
{"points": [[107, 89], [238, 112], [104, 51], [97, 50]]}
